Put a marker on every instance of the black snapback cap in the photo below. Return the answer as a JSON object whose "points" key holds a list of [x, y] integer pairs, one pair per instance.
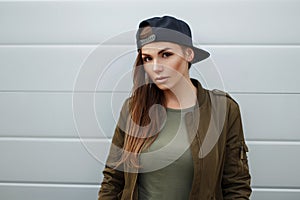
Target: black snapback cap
{"points": [[169, 29]]}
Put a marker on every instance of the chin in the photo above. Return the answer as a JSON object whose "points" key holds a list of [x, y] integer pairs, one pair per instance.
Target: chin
{"points": [[163, 87]]}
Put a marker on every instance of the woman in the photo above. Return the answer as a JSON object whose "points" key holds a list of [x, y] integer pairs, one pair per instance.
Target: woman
{"points": [[175, 139]]}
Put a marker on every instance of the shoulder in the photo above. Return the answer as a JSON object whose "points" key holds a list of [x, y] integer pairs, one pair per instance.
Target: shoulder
{"points": [[222, 94], [219, 97]]}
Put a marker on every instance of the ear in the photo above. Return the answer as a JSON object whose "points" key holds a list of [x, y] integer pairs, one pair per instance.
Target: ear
{"points": [[189, 54]]}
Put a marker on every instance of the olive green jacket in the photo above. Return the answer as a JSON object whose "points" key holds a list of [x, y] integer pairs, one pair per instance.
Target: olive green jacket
{"points": [[218, 151]]}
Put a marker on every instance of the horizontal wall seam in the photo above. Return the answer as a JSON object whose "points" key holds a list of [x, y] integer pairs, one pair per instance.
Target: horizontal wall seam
{"points": [[108, 91], [266, 93], [53, 139], [277, 189], [59, 91], [56, 45], [89, 185], [45, 184], [108, 139], [273, 142], [93, 45]]}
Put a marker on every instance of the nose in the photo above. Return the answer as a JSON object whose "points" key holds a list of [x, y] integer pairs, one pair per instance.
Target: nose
{"points": [[157, 67]]}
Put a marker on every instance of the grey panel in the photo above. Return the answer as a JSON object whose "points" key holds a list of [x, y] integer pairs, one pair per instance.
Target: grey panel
{"points": [[265, 116], [48, 192], [270, 116], [89, 192], [274, 164], [37, 114], [75, 161], [52, 160], [264, 22], [255, 69], [40, 67], [109, 68], [275, 194], [55, 115]]}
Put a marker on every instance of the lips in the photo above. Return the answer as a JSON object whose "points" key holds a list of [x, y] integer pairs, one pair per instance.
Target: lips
{"points": [[161, 79]]}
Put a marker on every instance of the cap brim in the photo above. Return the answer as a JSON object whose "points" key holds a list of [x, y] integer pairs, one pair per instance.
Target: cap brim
{"points": [[199, 55]]}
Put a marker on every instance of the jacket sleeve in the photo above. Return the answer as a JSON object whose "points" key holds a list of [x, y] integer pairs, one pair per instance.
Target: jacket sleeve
{"points": [[236, 177], [113, 178]]}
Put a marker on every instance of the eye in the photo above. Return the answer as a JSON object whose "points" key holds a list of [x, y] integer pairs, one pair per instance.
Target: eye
{"points": [[166, 54], [146, 59]]}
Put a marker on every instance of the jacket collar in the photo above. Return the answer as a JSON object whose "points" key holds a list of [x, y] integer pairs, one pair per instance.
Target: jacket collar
{"points": [[201, 92]]}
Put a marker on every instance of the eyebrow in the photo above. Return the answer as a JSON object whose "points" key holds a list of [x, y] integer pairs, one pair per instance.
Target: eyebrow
{"points": [[161, 51]]}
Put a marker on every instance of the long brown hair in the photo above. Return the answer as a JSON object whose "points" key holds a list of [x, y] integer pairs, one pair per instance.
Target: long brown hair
{"points": [[142, 132]]}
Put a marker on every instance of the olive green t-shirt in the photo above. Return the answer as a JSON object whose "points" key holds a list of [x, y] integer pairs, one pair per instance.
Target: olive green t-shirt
{"points": [[167, 165]]}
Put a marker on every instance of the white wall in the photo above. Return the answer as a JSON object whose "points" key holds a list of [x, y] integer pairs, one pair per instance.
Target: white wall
{"points": [[51, 149]]}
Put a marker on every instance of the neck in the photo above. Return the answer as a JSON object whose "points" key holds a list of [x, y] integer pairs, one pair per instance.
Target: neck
{"points": [[182, 95]]}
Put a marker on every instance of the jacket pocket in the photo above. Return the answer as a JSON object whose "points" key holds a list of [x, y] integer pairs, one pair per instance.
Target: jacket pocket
{"points": [[243, 157], [237, 161]]}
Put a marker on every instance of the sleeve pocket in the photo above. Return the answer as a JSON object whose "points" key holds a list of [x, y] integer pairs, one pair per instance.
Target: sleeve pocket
{"points": [[243, 157]]}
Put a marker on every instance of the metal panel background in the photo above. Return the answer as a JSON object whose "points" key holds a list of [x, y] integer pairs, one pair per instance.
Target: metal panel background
{"points": [[43, 44]]}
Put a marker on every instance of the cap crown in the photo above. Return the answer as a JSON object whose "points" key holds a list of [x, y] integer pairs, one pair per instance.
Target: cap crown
{"points": [[168, 29]]}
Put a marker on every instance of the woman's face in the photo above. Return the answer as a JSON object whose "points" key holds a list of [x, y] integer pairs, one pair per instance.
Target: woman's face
{"points": [[166, 63]]}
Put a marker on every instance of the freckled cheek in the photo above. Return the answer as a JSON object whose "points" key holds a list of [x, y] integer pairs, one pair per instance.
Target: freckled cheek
{"points": [[174, 63], [175, 67], [178, 66]]}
